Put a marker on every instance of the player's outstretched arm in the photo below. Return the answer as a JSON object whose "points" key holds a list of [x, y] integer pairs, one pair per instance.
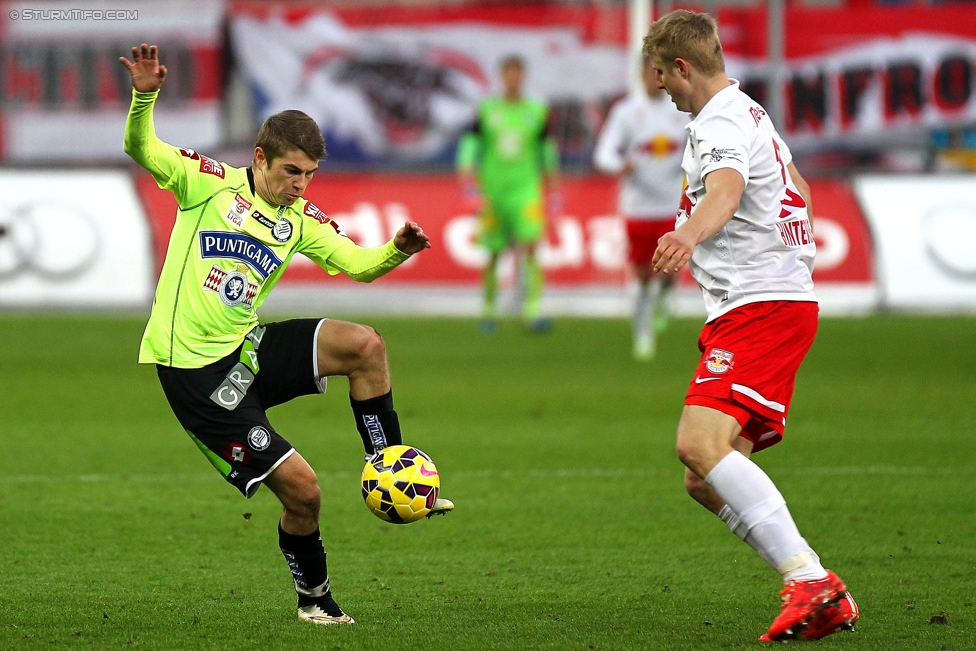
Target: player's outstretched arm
{"points": [[140, 141], [147, 73], [338, 254]]}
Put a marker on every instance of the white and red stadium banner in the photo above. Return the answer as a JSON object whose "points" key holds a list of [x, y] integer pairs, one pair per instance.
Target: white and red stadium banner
{"points": [[395, 83], [64, 95], [862, 74], [585, 248]]}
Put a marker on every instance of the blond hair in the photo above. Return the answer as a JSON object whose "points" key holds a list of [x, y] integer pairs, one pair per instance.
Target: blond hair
{"points": [[686, 35]]}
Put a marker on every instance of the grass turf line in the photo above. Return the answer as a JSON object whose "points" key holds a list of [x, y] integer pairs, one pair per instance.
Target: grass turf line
{"points": [[572, 529]]}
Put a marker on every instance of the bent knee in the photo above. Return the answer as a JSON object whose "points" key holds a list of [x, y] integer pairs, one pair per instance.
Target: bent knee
{"points": [[307, 501], [689, 452], [695, 485], [366, 343]]}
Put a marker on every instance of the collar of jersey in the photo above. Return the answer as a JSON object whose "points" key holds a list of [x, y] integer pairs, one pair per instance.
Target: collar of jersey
{"points": [[274, 212], [718, 100]]}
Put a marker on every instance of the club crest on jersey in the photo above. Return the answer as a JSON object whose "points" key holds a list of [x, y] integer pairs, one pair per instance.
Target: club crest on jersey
{"points": [[719, 361], [238, 210], [259, 438], [231, 287], [237, 246], [282, 230], [210, 166]]}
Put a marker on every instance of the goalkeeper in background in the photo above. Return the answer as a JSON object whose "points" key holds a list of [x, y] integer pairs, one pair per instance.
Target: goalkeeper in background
{"points": [[501, 163]]}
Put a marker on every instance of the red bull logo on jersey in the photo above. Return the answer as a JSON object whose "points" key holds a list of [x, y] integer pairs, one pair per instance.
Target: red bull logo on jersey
{"points": [[660, 146], [237, 246], [719, 361]]}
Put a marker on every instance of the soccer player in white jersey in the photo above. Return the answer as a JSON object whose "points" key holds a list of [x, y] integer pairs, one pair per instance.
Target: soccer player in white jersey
{"points": [[642, 143], [744, 226]]}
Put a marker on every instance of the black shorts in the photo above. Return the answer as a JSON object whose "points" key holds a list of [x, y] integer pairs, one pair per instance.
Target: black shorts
{"points": [[222, 405]]}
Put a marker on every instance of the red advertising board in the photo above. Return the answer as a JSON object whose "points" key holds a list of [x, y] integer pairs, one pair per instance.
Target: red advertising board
{"points": [[584, 246]]}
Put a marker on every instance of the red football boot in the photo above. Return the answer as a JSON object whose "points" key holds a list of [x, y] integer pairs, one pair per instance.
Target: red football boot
{"points": [[801, 601], [839, 615]]}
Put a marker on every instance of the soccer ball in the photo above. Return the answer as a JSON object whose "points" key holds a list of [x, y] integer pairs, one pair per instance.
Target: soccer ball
{"points": [[400, 484]]}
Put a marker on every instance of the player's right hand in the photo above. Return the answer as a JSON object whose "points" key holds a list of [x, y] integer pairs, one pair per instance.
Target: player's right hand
{"points": [[147, 73], [673, 251]]}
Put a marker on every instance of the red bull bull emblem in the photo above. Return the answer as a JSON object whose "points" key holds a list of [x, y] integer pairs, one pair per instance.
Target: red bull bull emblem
{"points": [[718, 361]]}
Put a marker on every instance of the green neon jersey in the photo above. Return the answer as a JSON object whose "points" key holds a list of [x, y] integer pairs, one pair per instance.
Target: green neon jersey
{"points": [[228, 249], [509, 147]]}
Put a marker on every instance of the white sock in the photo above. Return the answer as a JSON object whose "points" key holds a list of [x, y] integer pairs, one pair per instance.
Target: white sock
{"points": [[756, 512]]}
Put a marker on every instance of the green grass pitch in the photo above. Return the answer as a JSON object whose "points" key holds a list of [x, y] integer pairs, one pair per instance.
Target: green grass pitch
{"points": [[572, 530]]}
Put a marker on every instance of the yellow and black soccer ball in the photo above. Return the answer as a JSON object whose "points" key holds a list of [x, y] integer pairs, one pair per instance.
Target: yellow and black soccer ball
{"points": [[400, 484]]}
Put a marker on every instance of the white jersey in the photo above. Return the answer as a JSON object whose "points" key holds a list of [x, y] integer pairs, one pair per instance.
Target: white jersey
{"points": [[766, 251], [650, 134]]}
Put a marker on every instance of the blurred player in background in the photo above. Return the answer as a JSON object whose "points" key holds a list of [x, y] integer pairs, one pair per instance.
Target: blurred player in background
{"points": [[235, 232], [642, 142], [501, 163], [744, 224]]}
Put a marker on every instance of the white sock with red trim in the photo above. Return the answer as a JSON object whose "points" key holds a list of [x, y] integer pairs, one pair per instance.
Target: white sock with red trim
{"points": [[756, 512]]}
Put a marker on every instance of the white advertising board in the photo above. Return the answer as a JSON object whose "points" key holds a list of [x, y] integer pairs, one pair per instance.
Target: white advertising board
{"points": [[75, 239], [924, 228]]}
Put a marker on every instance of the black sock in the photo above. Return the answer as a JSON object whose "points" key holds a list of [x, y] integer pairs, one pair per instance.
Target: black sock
{"points": [[377, 422], [306, 559]]}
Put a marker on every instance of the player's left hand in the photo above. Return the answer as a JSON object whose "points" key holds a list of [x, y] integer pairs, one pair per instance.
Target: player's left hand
{"points": [[411, 239], [673, 251], [145, 70]]}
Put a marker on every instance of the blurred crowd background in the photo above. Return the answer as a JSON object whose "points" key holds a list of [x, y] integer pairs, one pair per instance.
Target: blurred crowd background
{"points": [[859, 88]]}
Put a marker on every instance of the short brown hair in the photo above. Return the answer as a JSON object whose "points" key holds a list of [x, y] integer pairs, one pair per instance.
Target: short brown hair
{"points": [[290, 130], [686, 35]]}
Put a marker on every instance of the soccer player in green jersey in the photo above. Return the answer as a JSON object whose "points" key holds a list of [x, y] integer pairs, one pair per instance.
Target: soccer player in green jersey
{"points": [[220, 368], [501, 163]]}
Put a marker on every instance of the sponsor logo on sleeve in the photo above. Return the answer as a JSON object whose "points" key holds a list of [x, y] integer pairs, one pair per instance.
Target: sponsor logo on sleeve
{"points": [[210, 166], [718, 153], [237, 246], [315, 213], [757, 113], [719, 361], [238, 210], [189, 153]]}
